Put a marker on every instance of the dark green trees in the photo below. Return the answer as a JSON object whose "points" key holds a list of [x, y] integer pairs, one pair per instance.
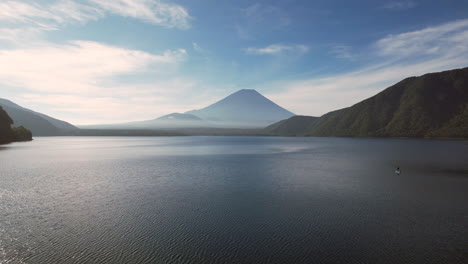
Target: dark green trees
{"points": [[22, 134], [8, 134]]}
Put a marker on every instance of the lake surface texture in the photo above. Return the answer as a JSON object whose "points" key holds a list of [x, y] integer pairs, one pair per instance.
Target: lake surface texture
{"points": [[233, 200]]}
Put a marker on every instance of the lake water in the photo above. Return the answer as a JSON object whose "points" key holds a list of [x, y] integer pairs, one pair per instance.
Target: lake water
{"points": [[233, 200]]}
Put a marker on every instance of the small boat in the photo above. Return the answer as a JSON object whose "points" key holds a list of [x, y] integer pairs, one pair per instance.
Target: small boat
{"points": [[398, 171]]}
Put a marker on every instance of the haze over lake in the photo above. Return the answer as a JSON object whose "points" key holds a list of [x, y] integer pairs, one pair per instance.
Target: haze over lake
{"points": [[233, 200]]}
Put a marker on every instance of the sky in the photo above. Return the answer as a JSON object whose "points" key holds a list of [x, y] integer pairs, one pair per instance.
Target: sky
{"points": [[111, 61]]}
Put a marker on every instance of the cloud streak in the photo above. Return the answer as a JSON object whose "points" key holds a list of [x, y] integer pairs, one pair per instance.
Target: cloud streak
{"points": [[400, 5], [342, 52], [150, 11], [64, 12], [276, 49], [59, 13], [447, 38]]}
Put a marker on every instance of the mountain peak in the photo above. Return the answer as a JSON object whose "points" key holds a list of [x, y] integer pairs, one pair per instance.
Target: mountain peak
{"points": [[247, 91], [246, 107]]}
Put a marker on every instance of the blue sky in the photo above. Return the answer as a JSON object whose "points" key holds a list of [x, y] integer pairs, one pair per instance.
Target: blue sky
{"points": [[106, 61]]}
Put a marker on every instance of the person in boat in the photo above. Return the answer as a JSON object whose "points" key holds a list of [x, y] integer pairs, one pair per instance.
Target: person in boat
{"points": [[398, 171]]}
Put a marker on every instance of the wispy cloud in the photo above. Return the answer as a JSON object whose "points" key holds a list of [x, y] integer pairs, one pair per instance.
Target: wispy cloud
{"points": [[259, 14], [197, 48], [261, 17], [59, 13], [151, 11], [446, 38], [276, 49], [400, 5], [242, 32], [26, 22], [432, 49], [22, 36], [342, 52], [64, 12]]}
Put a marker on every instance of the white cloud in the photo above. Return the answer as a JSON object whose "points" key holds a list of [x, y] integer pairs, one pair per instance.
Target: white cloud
{"points": [[21, 36], [197, 48], [63, 12], [77, 67], [17, 11], [403, 55], [67, 10], [438, 40], [400, 5], [25, 22], [275, 49], [151, 11]]}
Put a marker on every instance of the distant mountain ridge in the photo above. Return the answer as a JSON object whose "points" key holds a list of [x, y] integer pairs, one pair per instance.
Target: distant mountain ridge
{"points": [[244, 108], [178, 116], [174, 120], [432, 105], [39, 124]]}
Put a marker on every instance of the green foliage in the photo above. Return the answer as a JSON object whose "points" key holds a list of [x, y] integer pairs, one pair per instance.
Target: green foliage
{"points": [[22, 134], [7, 134], [294, 126], [432, 105]]}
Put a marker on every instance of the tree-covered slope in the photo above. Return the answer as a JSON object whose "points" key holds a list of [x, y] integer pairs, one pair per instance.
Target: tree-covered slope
{"points": [[432, 105], [294, 126], [8, 134]]}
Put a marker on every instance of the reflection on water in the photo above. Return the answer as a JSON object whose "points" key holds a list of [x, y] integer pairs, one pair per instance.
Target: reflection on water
{"points": [[233, 200]]}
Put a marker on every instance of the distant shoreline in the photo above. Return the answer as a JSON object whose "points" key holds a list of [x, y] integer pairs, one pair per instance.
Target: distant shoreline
{"points": [[219, 132]]}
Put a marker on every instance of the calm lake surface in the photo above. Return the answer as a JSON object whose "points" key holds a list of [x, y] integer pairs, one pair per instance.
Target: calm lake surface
{"points": [[233, 200]]}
